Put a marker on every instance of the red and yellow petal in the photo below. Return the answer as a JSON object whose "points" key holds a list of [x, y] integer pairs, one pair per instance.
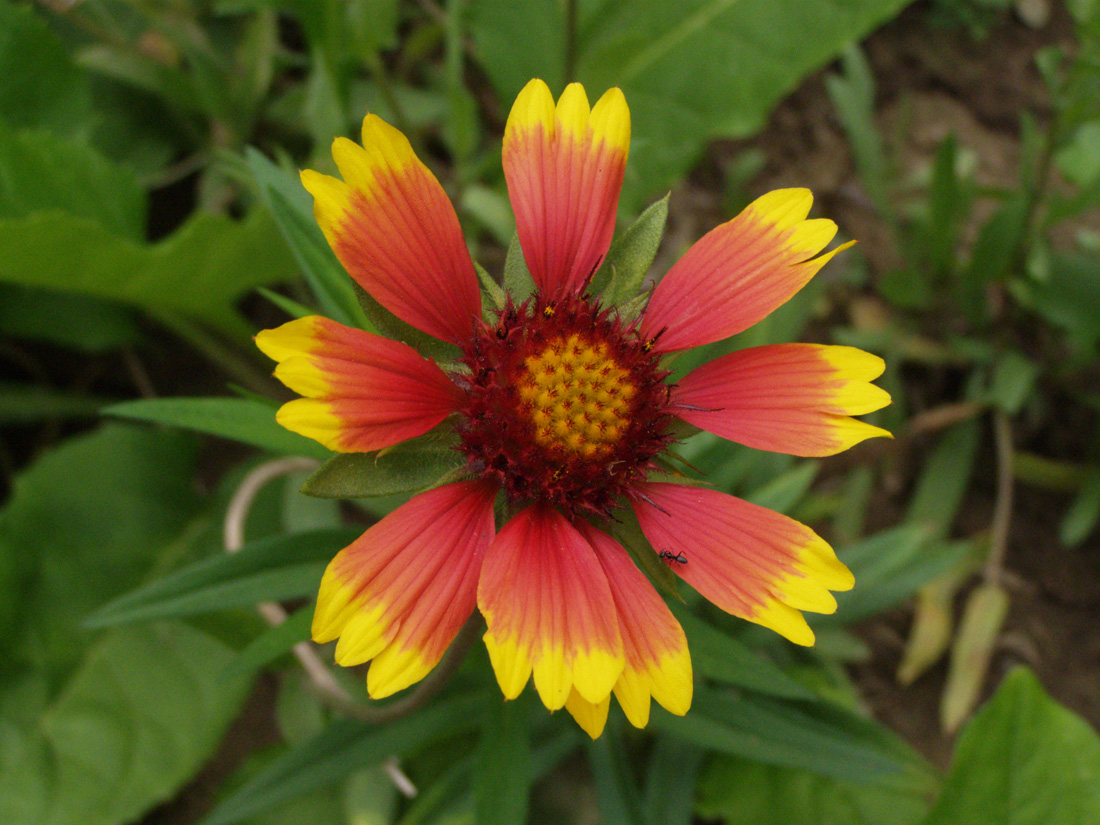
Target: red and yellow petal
{"points": [[393, 229], [399, 594], [748, 560], [549, 611], [363, 392], [739, 272], [657, 662], [787, 398], [564, 166]]}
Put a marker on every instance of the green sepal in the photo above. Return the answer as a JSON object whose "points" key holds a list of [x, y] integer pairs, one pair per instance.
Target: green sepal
{"points": [[619, 278], [626, 530], [517, 277], [411, 467], [389, 325], [492, 296]]}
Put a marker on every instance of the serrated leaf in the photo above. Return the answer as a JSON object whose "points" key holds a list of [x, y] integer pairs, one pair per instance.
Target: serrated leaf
{"points": [[40, 172], [34, 59], [620, 277], [198, 272], [411, 466], [140, 716], [1023, 760], [503, 771], [271, 569], [344, 747], [240, 419]]}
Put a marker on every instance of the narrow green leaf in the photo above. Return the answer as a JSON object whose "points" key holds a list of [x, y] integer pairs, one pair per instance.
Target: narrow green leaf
{"points": [[489, 289], [291, 206], [616, 789], [239, 419], [79, 322], [821, 738], [503, 771], [945, 479], [25, 402], [1013, 381], [671, 778], [620, 277], [386, 323], [853, 97], [744, 792], [786, 490], [280, 567], [271, 644], [342, 748], [1081, 518], [409, 467], [718, 656], [517, 277], [1023, 760]]}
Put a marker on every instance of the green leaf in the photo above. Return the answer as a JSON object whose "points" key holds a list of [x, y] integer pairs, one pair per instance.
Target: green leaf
{"points": [[270, 569], [853, 97], [692, 71], [84, 524], [40, 172], [743, 792], [671, 779], [1023, 760], [620, 277], [502, 774], [271, 644], [140, 717], [616, 789], [1081, 518], [199, 272], [386, 323], [76, 321], [342, 748], [821, 738], [517, 277], [26, 402], [411, 466], [1013, 381], [240, 419], [945, 479], [33, 60], [292, 208], [786, 490], [719, 656], [1067, 299]]}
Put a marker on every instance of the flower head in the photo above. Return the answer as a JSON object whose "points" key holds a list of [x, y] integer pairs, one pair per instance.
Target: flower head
{"points": [[562, 408]]}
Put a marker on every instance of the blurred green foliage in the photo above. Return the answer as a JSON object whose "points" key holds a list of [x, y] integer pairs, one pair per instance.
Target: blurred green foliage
{"points": [[151, 192]]}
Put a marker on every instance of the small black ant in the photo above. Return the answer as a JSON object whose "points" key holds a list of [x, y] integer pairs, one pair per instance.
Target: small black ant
{"points": [[668, 557]]}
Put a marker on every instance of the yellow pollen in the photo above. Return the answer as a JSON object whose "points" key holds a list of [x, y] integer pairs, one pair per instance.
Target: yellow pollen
{"points": [[577, 396]]}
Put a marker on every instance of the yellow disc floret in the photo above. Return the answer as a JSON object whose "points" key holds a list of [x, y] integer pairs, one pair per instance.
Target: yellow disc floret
{"points": [[577, 395]]}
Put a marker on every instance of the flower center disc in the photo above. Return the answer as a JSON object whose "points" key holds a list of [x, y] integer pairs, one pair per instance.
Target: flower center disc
{"points": [[565, 404], [578, 397]]}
